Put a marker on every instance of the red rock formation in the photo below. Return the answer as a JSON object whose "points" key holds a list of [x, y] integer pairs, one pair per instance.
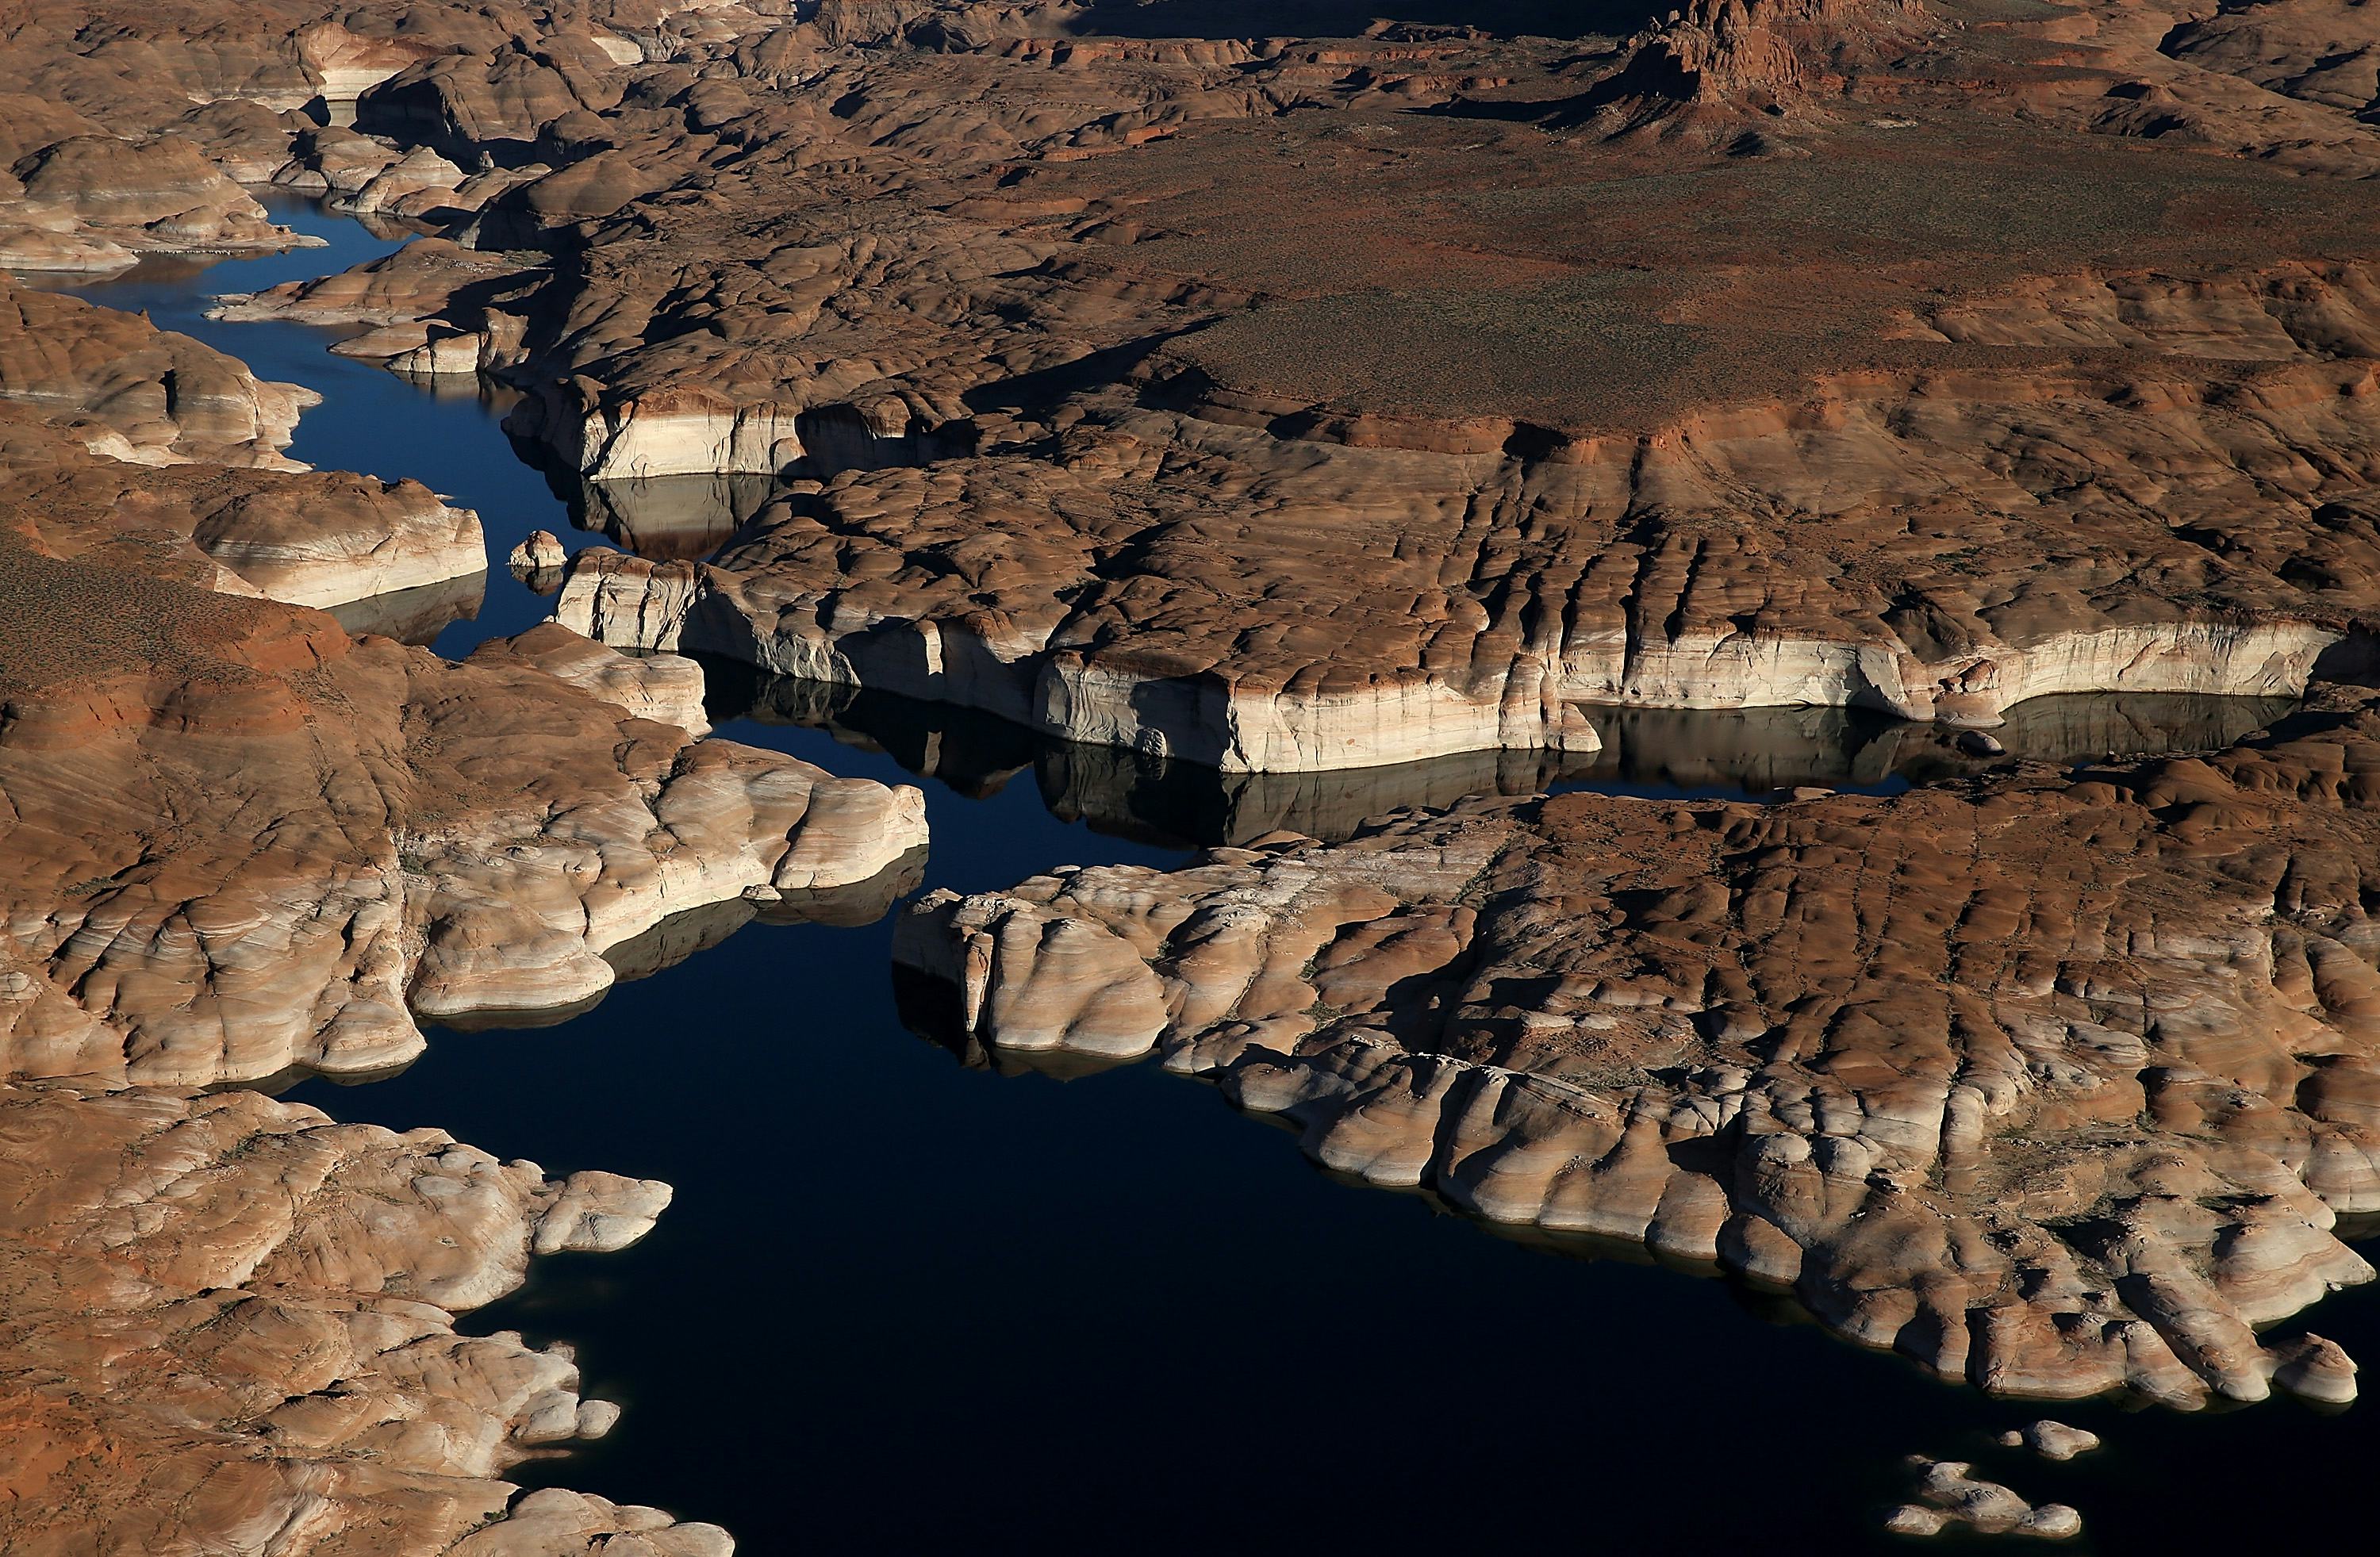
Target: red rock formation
{"points": [[1724, 67], [444, 838], [237, 841], [137, 392], [1955, 411], [1289, 403]]}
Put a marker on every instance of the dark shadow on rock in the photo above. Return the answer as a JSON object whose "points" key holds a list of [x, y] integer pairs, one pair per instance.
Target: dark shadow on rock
{"points": [[837, 438], [1047, 388]]}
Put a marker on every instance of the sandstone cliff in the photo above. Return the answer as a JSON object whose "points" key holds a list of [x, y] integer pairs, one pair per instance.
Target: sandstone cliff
{"points": [[1963, 402]]}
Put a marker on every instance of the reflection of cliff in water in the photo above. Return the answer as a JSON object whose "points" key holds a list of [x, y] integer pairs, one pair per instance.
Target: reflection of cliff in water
{"points": [[417, 615], [1736, 754], [655, 949], [1756, 753], [660, 518], [928, 1007]]}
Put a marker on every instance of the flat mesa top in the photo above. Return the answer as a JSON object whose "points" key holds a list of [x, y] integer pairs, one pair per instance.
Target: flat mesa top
{"points": [[1442, 265]]}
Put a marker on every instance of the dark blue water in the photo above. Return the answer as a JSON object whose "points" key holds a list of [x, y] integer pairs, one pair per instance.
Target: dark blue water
{"points": [[446, 437], [905, 1304]]}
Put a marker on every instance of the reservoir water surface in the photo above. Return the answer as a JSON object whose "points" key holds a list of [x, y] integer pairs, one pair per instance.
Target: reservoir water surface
{"points": [[907, 1302]]}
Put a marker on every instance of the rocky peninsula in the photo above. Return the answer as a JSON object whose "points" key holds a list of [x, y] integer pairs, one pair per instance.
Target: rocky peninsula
{"points": [[230, 1320], [243, 844], [2056, 1082]]}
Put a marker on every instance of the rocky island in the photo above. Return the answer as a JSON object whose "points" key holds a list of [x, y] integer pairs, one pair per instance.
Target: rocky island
{"points": [[1641, 548]]}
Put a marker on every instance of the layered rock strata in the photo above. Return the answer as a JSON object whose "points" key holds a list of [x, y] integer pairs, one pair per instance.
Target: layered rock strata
{"points": [[238, 842], [1082, 450], [1770, 753], [231, 1321], [96, 202], [2056, 1083], [436, 839], [137, 393], [1522, 409], [310, 537], [667, 688], [122, 443]]}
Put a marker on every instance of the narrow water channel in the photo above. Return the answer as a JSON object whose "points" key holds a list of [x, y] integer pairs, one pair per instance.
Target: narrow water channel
{"points": [[904, 1305]]}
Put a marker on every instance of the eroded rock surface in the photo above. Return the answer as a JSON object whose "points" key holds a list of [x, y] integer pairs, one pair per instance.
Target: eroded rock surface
{"points": [[664, 687], [2051, 1082], [137, 393], [239, 842], [253, 842], [2051, 1439], [307, 537], [90, 200], [1926, 358], [230, 1320], [1808, 351], [123, 443], [1949, 1495]]}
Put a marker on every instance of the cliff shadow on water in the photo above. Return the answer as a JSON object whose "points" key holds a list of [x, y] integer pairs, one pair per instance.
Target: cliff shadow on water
{"points": [[1757, 754]]}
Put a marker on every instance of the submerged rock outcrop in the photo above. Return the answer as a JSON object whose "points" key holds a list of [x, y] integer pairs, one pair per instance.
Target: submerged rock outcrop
{"points": [[1949, 1495], [2056, 1082]]}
